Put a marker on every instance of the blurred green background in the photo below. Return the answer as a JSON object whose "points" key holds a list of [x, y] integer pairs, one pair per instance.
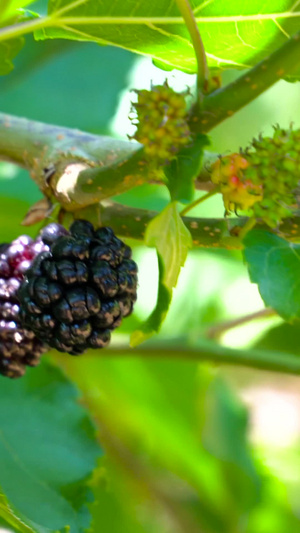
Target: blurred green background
{"points": [[190, 448]]}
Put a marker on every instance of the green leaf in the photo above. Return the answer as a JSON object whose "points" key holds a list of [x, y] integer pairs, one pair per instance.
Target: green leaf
{"points": [[154, 321], [8, 50], [274, 264], [7, 514], [8, 8], [235, 34], [282, 338], [48, 450], [157, 429], [10, 15], [49, 69], [225, 432], [168, 234], [183, 170]]}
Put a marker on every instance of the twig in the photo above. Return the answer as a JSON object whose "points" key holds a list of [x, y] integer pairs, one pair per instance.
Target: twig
{"points": [[214, 332], [207, 350], [199, 201]]}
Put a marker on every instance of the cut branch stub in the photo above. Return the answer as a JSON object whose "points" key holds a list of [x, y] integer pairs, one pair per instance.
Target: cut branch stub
{"points": [[39, 147]]}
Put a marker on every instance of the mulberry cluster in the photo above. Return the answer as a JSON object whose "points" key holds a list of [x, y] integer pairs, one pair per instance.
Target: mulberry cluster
{"points": [[78, 291], [267, 177], [18, 345], [161, 123]]}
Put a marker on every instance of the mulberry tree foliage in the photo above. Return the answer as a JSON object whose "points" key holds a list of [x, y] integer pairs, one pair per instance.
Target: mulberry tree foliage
{"points": [[136, 436]]}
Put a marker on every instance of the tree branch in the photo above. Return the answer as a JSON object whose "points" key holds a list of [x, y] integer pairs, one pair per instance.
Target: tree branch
{"points": [[37, 146], [224, 102], [66, 152], [206, 232]]}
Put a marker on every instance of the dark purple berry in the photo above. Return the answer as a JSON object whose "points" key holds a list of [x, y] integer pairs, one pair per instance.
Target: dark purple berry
{"points": [[50, 233]]}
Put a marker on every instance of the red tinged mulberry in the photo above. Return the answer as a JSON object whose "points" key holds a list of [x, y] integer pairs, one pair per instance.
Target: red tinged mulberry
{"points": [[18, 345]]}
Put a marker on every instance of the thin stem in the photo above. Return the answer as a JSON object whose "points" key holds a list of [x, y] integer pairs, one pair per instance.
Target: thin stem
{"points": [[16, 30], [207, 350], [191, 24], [198, 201], [247, 227], [224, 102], [214, 332]]}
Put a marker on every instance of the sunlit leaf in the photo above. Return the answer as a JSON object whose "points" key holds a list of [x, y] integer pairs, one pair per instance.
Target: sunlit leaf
{"points": [[10, 15], [171, 238], [235, 34]]}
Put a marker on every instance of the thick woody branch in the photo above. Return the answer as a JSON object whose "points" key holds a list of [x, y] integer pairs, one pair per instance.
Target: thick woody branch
{"points": [[206, 232], [47, 150], [79, 164]]}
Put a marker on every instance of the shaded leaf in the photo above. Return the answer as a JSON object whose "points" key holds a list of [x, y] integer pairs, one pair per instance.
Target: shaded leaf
{"points": [[274, 264], [158, 425], [283, 338], [50, 74], [47, 451], [156, 318], [8, 50], [183, 170], [225, 434]]}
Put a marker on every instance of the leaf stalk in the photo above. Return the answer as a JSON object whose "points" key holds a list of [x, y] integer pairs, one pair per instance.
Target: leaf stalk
{"points": [[191, 24]]}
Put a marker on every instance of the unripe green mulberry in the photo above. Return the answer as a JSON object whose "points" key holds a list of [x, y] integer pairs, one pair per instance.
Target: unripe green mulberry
{"points": [[239, 192], [161, 123], [269, 173]]}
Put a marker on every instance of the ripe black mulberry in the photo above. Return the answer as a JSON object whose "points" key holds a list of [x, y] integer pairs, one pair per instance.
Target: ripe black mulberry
{"points": [[78, 291]]}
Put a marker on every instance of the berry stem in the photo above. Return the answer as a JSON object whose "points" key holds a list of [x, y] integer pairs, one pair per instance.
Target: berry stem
{"points": [[247, 227], [191, 24], [224, 102], [199, 201]]}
